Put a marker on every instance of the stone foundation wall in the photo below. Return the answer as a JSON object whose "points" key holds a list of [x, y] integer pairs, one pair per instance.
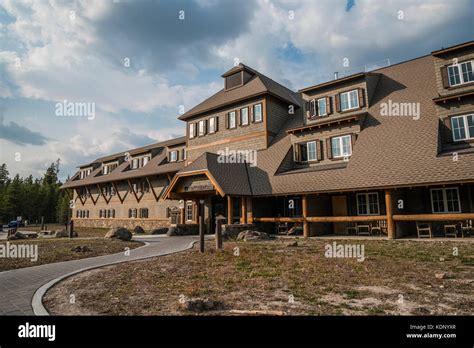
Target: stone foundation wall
{"points": [[146, 224]]}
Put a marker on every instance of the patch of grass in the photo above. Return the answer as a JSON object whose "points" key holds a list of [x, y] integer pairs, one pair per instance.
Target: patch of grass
{"points": [[57, 250], [265, 274]]}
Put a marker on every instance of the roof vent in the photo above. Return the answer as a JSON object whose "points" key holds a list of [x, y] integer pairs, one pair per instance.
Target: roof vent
{"points": [[336, 75]]}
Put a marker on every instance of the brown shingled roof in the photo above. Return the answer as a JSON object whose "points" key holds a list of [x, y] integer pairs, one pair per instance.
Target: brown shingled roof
{"points": [[259, 84]]}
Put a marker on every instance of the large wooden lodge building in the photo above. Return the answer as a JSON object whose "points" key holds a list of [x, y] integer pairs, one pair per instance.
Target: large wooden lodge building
{"points": [[391, 148]]}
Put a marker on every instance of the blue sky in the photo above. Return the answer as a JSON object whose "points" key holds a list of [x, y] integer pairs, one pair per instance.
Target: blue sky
{"points": [[51, 51]]}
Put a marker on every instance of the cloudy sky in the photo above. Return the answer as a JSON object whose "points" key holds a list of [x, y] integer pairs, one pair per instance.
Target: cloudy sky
{"points": [[138, 61]]}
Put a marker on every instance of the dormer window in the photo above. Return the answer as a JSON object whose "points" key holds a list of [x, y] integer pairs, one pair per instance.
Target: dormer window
{"points": [[349, 100], [461, 73], [108, 168], [135, 163], [257, 113], [202, 128], [341, 146], [231, 121], [244, 116], [192, 130], [462, 127], [233, 80], [173, 156], [84, 173], [322, 107]]}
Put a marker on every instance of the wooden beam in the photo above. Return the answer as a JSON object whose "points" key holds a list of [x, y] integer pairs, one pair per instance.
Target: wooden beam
{"points": [[131, 189], [79, 196], [152, 189], [230, 210], [305, 215], [389, 211], [90, 194], [118, 193], [243, 213], [434, 217], [103, 195], [249, 210]]}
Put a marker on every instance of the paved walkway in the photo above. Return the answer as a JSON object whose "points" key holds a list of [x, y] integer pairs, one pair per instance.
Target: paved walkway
{"points": [[17, 287]]}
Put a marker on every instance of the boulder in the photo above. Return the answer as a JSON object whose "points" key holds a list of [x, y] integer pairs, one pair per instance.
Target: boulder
{"points": [[119, 233], [81, 249], [12, 237], [230, 234], [162, 230], [20, 235], [182, 230], [249, 235], [199, 305], [61, 234], [138, 230]]}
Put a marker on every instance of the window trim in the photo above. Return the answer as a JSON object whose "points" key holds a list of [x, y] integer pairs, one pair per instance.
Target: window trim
{"points": [[367, 203], [349, 100], [460, 73], [192, 130], [313, 104], [315, 151], [214, 119], [445, 200], [261, 112], [240, 116], [171, 156], [235, 119], [466, 127], [325, 106], [201, 124], [189, 204], [342, 146]]}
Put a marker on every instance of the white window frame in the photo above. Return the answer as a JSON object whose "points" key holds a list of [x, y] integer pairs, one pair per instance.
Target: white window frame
{"points": [[313, 106], [349, 103], [145, 160], [367, 203], [445, 200], [260, 119], [202, 128], [175, 152], [341, 145], [234, 118], [189, 205], [466, 127], [212, 125], [247, 116], [458, 66], [192, 130], [315, 151], [325, 107]]}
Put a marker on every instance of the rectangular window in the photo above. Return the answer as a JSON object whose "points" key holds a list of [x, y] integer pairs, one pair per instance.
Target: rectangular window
{"points": [[349, 100], [173, 156], [462, 127], [244, 116], [202, 127], [212, 125], [341, 146], [132, 213], [189, 211], [322, 108], [312, 108], [257, 113], [459, 74], [145, 160], [232, 120], [144, 213], [445, 200], [368, 203], [135, 163], [192, 129], [311, 147]]}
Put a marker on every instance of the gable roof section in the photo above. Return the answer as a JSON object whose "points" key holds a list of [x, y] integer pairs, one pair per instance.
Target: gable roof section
{"points": [[259, 84]]}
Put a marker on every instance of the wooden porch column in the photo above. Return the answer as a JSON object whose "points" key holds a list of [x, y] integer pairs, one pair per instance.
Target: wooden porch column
{"points": [[249, 210], [389, 208], [195, 211], [305, 215], [182, 217], [230, 210], [243, 206]]}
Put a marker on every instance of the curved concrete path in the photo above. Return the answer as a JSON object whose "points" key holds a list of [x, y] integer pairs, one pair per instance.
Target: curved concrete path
{"points": [[20, 287]]}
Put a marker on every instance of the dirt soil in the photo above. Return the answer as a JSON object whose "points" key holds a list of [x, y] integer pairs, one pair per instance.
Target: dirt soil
{"points": [[396, 278]]}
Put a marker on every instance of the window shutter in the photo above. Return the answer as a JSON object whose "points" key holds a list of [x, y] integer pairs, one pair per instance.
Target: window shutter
{"points": [[361, 98], [167, 212], [205, 126], [307, 107], [227, 120], [251, 114], [353, 139], [319, 147], [237, 114], [448, 130], [328, 148], [328, 105], [338, 103], [444, 76], [216, 123]]}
